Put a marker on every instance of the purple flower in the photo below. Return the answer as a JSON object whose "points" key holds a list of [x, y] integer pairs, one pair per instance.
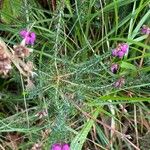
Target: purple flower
{"points": [[120, 50], [145, 29], [29, 37], [120, 54], [58, 146], [119, 83], [124, 47], [114, 68], [23, 33], [66, 147]]}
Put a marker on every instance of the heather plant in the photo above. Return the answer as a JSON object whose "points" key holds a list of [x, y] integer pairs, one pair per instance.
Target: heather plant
{"points": [[74, 74]]}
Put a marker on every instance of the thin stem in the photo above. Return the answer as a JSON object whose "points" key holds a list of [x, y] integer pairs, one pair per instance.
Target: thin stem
{"points": [[143, 53], [24, 98], [26, 10]]}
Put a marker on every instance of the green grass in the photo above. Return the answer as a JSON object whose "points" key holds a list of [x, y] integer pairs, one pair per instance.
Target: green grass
{"points": [[72, 57]]}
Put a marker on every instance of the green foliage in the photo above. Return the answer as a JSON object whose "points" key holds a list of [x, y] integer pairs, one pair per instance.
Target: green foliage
{"points": [[10, 10], [78, 141], [72, 56]]}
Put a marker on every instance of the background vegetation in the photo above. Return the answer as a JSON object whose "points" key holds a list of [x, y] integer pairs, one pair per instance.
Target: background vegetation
{"points": [[74, 84]]}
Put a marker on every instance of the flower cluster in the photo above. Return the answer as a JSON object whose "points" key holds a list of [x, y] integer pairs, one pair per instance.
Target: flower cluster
{"points": [[21, 51], [120, 50], [29, 37], [17, 55], [145, 29], [59, 146]]}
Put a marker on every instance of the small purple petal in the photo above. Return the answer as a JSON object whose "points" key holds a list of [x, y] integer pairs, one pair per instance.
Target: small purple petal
{"points": [[65, 147], [120, 54], [32, 35], [114, 68], [56, 147], [114, 52], [119, 83], [23, 33], [124, 47], [32, 38], [27, 40], [116, 84], [145, 29], [31, 41]]}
